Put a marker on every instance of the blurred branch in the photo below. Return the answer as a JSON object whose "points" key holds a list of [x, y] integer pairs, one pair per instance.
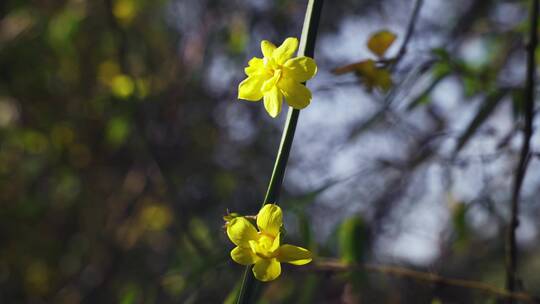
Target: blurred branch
{"points": [[489, 104], [409, 32], [392, 62], [465, 24], [337, 266], [511, 246], [386, 104]]}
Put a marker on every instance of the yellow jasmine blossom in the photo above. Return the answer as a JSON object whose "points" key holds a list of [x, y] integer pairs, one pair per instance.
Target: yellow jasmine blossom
{"points": [[278, 75], [262, 248]]}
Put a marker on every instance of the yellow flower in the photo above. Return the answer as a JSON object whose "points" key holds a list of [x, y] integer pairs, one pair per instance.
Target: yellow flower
{"points": [[263, 247], [277, 75]]}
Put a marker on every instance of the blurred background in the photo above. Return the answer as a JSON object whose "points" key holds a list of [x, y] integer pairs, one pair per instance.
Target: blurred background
{"points": [[123, 145]]}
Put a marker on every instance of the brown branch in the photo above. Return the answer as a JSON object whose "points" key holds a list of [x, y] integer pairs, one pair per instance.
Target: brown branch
{"points": [[511, 246], [337, 266], [410, 30]]}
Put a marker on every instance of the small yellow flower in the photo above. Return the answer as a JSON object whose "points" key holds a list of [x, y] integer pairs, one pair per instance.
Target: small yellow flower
{"points": [[278, 75], [263, 247]]}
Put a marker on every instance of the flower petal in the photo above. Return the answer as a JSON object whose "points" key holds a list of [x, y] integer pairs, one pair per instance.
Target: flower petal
{"points": [[272, 101], [301, 68], [296, 94], [254, 246], [251, 88], [243, 256], [294, 255], [271, 82], [241, 231], [285, 50], [266, 269], [270, 219], [275, 243], [267, 48], [255, 67]]}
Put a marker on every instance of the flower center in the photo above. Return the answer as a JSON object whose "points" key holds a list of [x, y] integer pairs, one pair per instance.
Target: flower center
{"points": [[272, 67], [263, 246]]}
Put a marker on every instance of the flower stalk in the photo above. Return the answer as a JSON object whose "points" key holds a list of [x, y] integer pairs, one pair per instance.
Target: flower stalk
{"points": [[306, 48]]}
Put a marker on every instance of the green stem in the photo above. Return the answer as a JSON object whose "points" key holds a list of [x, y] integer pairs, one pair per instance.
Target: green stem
{"points": [[306, 48], [276, 180]]}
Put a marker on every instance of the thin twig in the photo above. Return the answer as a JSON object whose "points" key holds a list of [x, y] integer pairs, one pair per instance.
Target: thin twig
{"points": [[391, 62], [511, 246], [336, 266], [410, 30]]}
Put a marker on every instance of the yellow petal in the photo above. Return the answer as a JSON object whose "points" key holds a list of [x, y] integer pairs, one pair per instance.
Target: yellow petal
{"points": [[266, 269], [271, 82], [285, 50], [276, 243], [294, 255], [300, 69], [272, 101], [255, 67], [243, 256], [267, 48], [254, 246], [296, 94], [270, 219], [251, 88], [241, 231]]}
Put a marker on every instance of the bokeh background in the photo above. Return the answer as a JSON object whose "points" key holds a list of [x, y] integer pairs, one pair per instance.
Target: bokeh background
{"points": [[122, 145]]}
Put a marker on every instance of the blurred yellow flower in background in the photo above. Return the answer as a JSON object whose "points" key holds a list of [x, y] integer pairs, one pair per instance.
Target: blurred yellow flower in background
{"points": [[262, 248], [278, 75]]}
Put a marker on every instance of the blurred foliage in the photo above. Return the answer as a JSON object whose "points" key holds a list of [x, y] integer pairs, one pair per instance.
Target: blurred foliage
{"points": [[371, 73], [352, 240], [380, 41], [120, 153]]}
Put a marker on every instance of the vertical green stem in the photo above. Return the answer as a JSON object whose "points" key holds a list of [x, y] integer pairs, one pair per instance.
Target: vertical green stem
{"points": [[306, 48], [274, 187]]}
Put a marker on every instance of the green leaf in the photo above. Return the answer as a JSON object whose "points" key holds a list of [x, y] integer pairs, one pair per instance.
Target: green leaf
{"points": [[441, 69], [459, 221], [304, 227], [352, 236], [130, 295], [441, 53], [472, 85]]}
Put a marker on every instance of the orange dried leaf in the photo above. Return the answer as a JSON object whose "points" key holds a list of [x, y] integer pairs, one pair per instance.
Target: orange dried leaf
{"points": [[349, 68], [369, 73]]}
